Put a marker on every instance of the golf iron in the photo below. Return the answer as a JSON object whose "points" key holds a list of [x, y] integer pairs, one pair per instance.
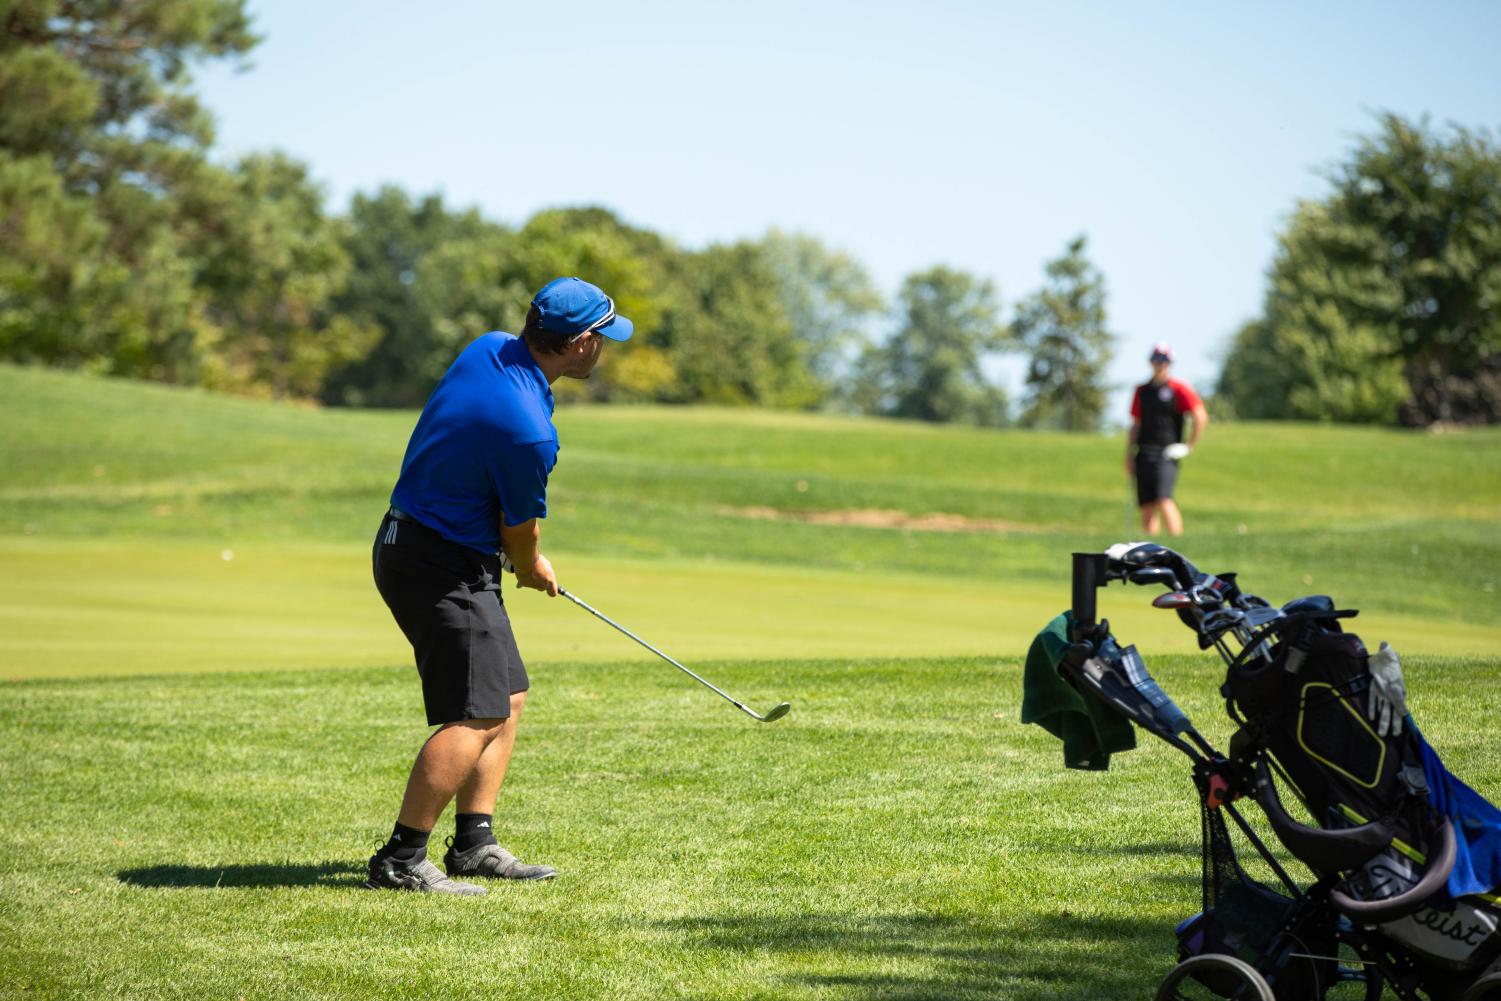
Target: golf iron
{"points": [[776, 712]]}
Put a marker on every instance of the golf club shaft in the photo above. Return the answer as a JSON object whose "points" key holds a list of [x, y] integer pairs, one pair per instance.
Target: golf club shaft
{"points": [[609, 621]]}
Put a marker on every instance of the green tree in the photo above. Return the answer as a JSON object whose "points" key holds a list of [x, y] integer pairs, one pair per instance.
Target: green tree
{"points": [[485, 279], [830, 300], [1247, 388], [99, 137], [48, 272], [1063, 327], [1307, 359], [932, 368], [1383, 299], [728, 335], [102, 88], [633, 265], [272, 263], [464, 288], [389, 238]]}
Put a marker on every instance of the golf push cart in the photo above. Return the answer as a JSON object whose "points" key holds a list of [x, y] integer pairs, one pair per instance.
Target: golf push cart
{"points": [[1386, 909]]}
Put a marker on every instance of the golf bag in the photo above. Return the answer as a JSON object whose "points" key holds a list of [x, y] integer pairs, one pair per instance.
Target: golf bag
{"points": [[1389, 905]]}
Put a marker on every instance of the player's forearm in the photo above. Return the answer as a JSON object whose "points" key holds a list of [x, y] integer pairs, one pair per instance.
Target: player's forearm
{"points": [[1200, 422], [522, 543]]}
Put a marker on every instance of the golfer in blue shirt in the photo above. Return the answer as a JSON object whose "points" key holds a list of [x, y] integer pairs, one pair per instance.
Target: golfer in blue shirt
{"points": [[472, 493]]}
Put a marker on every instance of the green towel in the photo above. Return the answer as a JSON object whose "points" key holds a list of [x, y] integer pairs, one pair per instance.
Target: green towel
{"points": [[1090, 730]]}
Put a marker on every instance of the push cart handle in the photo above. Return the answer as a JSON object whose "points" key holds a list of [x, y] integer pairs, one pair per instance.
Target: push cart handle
{"points": [[1375, 912], [1089, 576]]}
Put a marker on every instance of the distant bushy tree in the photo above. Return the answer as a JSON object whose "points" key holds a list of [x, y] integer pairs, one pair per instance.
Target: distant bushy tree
{"points": [[431, 280], [728, 335], [1384, 301], [1063, 328], [388, 236], [270, 266], [931, 368], [830, 301], [711, 326], [633, 266], [102, 146]]}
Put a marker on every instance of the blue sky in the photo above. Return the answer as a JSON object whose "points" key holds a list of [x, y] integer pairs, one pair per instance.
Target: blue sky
{"points": [[978, 135]]}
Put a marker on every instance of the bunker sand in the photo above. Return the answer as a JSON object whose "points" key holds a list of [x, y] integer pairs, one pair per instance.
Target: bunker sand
{"points": [[887, 518]]}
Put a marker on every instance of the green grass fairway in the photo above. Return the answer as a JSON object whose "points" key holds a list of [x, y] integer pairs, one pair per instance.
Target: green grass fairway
{"points": [[183, 607], [192, 790], [713, 533], [899, 835]]}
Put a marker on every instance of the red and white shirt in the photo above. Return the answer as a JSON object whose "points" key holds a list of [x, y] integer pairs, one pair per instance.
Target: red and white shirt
{"points": [[1159, 408]]}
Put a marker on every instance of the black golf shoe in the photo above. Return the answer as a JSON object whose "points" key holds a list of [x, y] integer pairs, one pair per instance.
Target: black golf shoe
{"points": [[418, 875], [493, 861]]}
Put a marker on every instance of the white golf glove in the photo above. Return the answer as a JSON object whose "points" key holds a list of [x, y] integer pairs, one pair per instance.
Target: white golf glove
{"points": [[1177, 450], [1388, 692]]}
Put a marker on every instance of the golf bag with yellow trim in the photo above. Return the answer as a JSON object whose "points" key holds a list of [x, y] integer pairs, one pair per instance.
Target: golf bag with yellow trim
{"points": [[1402, 899]]}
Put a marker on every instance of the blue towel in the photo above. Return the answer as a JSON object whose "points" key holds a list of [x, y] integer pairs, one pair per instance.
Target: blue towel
{"points": [[1477, 826]]}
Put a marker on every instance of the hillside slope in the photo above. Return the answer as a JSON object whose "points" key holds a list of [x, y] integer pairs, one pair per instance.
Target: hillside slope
{"points": [[146, 527]]}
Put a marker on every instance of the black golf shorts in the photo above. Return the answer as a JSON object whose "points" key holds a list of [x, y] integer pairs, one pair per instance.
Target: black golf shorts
{"points": [[446, 599], [1155, 476]]}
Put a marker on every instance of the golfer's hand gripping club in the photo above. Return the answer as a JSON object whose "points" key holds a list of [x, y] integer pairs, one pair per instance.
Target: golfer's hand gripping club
{"points": [[772, 714]]}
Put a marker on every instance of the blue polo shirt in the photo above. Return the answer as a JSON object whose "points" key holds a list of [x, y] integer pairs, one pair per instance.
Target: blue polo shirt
{"points": [[483, 447]]}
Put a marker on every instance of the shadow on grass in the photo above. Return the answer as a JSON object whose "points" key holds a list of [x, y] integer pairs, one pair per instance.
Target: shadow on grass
{"points": [[338, 874], [1186, 850], [1034, 958]]}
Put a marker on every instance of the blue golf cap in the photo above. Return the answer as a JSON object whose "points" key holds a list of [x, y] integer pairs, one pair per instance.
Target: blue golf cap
{"points": [[572, 306]]}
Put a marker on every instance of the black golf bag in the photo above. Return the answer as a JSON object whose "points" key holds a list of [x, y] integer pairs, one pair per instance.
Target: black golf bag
{"points": [[1354, 806]]}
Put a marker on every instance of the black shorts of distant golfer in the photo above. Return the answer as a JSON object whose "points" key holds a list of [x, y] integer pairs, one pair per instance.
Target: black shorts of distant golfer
{"points": [[469, 501], [1155, 445]]}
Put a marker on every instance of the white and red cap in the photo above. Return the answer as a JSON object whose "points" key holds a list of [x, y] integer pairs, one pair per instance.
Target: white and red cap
{"points": [[1162, 351]]}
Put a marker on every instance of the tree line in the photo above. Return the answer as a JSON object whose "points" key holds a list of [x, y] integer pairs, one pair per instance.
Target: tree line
{"points": [[125, 248], [1383, 302]]}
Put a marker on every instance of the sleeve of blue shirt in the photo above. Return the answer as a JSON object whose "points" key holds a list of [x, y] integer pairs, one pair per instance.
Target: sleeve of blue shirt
{"points": [[519, 473]]}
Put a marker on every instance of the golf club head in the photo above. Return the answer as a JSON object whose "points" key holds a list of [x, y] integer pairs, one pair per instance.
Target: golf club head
{"points": [[1138, 554], [1152, 575], [777, 712], [1125, 558], [1259, 616], [1221, 619], [1173, 599]]}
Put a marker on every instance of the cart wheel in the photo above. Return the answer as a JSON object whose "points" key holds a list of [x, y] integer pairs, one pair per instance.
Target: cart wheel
{"points": [[1487, 988], [1213, 976]]}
